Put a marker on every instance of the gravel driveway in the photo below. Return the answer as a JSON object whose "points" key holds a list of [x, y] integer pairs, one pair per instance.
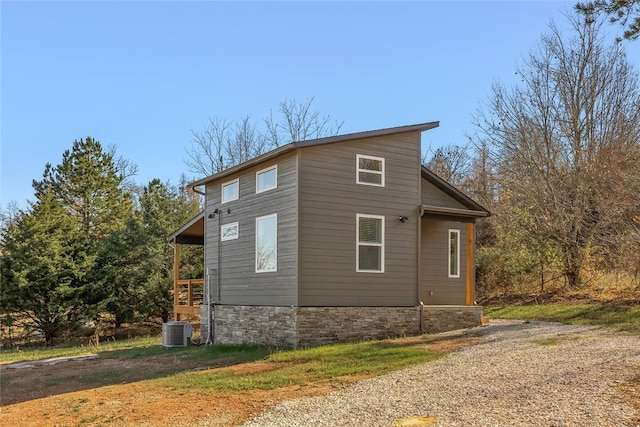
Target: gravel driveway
{"points": [[521, 374]]}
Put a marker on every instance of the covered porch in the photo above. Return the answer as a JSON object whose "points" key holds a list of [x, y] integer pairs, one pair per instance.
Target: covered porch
{"points": [[447, 255], [188, 293]]}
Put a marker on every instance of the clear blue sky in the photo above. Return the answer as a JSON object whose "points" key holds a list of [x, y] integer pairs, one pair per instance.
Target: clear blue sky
{"points": [[142, 75]]}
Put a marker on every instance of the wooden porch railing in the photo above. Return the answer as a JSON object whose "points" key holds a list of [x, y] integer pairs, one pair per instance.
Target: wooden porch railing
{"points": [[187, 296]]}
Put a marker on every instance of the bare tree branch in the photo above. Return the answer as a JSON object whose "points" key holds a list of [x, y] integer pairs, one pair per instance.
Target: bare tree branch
{"points": [[206, 155], [450, 162], [222, 144], [566, 142]]}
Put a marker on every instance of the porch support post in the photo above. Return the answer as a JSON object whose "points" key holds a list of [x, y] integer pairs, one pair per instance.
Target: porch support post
{"points": [[176, 277], [471, 263]]}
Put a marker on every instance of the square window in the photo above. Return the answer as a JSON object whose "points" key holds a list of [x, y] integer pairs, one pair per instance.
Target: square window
{"points": [[370, 243], [370, 170], [230, 191], [267, 179], [229, 231]]}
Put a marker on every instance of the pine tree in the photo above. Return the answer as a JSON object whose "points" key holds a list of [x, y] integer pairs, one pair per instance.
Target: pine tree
{"points": [[163, 209], [88, 184], [43, 268]]}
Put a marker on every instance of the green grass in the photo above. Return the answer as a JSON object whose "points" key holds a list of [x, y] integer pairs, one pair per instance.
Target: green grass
{"points": [[133, 345], [140, 348], [300, 367], [546, 341], [276, 368], [624, 318]]}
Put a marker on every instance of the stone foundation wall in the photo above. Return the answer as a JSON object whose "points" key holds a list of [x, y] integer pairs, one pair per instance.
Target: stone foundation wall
{"points": [[312, 326], [442, 318], [326, 325], [263, 325]]}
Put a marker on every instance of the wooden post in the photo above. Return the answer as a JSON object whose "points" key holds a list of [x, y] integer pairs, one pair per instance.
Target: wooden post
{"points": [[471, 262], [176, 277]]}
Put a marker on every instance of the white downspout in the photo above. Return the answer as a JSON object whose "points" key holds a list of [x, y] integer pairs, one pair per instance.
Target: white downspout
{"points": [[209, 322]]}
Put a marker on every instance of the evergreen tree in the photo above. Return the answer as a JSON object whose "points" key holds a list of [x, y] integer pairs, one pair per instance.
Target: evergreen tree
{"points": [[128, 259], [43, 268], [136, 263], [624, 12], [163, 209], [89, 186]]}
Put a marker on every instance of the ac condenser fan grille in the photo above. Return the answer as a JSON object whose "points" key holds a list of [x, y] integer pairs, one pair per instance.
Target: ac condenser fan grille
{"points": [[176, 334]]}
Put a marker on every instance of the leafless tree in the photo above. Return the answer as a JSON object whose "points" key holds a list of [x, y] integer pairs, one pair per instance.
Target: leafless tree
{"points": [[246, 142], [222, 144], [298, 122], [8, 215], [206, 156], [566, 143], [127, 170], [451, 163]]}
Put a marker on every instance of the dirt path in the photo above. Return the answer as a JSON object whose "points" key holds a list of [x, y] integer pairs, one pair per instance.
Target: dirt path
{"points": [[115, 391], [533, 374]]}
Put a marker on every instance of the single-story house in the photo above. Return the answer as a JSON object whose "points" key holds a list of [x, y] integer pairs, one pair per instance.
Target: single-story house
{"points": [[335, 239]]}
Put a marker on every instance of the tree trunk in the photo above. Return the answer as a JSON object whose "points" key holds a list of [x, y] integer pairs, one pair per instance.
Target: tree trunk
{"points": [[49, 335], [573, 258]]}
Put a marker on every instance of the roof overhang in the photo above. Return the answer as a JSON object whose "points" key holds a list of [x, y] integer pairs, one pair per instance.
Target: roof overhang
{"points": [[466, 213], [456, 194], [245, 165], [420, 127], [192, 233]]}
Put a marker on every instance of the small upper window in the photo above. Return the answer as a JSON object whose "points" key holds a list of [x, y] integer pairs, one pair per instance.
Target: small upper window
{"points": [[370, 170], [229, 231], [267, 179], [454, 253], [230, 191]]}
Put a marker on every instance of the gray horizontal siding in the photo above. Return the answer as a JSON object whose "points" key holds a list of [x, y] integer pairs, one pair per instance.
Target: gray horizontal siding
{"points": [[434, 266], [240, 284], [433, 196], [330, 198]]}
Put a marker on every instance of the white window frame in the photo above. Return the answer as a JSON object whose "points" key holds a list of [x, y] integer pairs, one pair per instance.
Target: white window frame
{"points": [[264, 171], [275, 215], [380, 245], [234, 181], [225, 227], [457, 272], [358, 170]]}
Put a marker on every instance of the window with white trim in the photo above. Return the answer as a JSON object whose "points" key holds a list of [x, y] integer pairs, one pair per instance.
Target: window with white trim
{"points": [[267, 179], [370, 170], [454, 253], [229, 231], [370, 243], [230, 191], [267, 243]]}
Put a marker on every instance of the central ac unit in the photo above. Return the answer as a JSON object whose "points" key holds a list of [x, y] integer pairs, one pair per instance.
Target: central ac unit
{"points": [[176, 334]]}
